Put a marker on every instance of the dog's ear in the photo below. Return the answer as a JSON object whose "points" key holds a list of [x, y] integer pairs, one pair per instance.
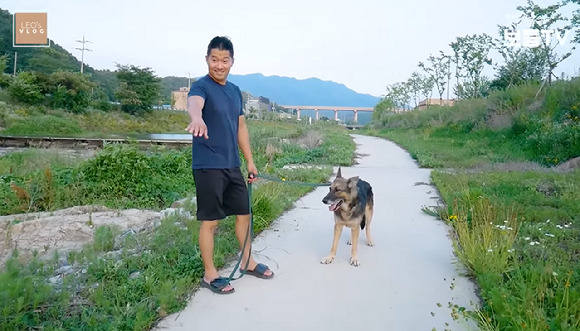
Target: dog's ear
{"points": [[352, 181], [339, 173]]}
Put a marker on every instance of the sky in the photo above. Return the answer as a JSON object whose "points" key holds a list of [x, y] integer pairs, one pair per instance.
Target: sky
{"points": [[364, 44]]}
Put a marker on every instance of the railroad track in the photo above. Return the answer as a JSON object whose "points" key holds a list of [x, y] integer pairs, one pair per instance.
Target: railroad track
{"points": [[83, 143]]}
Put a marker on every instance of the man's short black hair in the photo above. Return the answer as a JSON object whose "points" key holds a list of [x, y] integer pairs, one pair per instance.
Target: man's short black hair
{"points": [[221, 43]]}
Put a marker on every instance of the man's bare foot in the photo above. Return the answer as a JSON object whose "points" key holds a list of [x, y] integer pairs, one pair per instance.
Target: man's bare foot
{"points": [[252, 266], [218, 284]]}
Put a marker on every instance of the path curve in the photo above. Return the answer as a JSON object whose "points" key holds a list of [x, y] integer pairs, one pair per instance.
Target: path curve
{"points": [[405, 282]]}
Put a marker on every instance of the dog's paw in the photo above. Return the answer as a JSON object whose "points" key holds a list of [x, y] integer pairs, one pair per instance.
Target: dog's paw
{"points": [[370, 243], [327, 259], [354, 262]]}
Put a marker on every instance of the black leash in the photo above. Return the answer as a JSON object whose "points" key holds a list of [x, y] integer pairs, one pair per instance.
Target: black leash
{"points": [[250, 232]]}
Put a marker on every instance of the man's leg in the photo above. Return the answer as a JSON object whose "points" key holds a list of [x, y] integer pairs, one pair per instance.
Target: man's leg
{"points": [[209, 190], [242, 227], [236, 202], [206, 245]]}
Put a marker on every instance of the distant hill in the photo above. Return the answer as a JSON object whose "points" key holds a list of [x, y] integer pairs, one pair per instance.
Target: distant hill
{"points": [[307, 92]]}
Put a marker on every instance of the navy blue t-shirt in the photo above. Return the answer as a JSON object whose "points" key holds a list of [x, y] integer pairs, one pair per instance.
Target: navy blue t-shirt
{"points": [[221, 112]]}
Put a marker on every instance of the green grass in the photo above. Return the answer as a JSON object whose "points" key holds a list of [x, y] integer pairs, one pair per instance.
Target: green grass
{"points": [[516, 230], [157, 270], [447, 147], [518, 234]]}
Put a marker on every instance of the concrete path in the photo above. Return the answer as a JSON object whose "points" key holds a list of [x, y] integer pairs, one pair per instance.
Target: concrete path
{"points": [[405, 282]]}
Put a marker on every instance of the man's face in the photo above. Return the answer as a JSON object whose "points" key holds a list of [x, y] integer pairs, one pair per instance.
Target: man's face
{"points": [[219, 63]]}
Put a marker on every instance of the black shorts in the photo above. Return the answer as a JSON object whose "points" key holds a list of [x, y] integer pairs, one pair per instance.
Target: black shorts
{"points": [[220, 193]]}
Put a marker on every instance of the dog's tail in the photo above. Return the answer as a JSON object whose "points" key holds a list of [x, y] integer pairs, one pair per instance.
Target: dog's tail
{"points": [[363, 223]]}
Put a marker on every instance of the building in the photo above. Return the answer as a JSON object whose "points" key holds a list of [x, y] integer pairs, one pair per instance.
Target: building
{"points": [[434, 102], [257, 104], [253, 104], [179, 99]]}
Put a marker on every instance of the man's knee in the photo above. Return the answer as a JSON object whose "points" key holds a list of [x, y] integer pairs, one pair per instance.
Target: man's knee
{"points": [[243, 218], [209, 226]]}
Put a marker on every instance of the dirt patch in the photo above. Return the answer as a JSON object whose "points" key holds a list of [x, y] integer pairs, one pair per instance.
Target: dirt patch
{"points": [[310, 139], [569, 165], [66, 230]]}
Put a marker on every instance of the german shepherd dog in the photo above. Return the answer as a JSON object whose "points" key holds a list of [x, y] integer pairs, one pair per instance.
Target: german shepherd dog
{"points": [[351, 200]]}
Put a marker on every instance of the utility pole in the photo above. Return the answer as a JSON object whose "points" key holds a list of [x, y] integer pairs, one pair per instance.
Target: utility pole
{"points": [[15, 62], [188, 80], [83, 49]]}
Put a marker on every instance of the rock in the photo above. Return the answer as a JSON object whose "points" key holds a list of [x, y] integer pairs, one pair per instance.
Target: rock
{"points": [[66, 230]]}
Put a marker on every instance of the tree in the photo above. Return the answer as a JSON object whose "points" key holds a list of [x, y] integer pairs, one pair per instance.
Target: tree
{"points": [[383, 108], [414, 84], [438, 71], [521, 64], [471, 54], [544, 20], [4, 78], [138, 89], [575, 21], [398, 93]]}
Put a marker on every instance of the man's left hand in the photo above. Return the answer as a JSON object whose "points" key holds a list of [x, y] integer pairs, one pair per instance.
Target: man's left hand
{"points": [[252, 170]]}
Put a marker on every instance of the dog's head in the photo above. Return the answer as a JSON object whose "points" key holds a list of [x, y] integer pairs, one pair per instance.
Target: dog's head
{"points": [[342, 191]]}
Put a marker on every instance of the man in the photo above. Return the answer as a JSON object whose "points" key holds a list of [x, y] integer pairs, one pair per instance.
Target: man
{"points": [[218, 128]]}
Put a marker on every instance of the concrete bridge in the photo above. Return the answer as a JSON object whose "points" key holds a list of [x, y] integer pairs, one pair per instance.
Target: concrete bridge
{"points": [[336, 109]]}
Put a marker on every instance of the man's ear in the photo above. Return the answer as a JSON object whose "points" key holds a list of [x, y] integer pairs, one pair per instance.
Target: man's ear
{"points": [[352, 181], [339, 173]]}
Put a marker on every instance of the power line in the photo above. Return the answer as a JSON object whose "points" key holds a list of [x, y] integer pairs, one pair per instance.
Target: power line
{"points": [[83, 49]]}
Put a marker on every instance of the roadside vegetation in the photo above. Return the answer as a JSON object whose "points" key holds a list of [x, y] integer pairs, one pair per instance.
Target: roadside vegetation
{"points": [[129, 281], [509, 195]]}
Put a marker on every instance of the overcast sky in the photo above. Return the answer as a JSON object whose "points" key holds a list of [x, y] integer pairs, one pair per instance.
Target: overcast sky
{"points": [[363, 44]]}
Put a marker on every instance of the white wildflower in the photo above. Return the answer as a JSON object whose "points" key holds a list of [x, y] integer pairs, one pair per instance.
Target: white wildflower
{"points": [[548, 221], [549, 235], [510, 250], [559, 226], [490, 250], [554, 274], [527, 238]]}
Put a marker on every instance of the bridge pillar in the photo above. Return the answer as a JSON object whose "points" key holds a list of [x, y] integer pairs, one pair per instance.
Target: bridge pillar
{"points": [[336, 115], [316, 110], [355, 116], [298, 113]]}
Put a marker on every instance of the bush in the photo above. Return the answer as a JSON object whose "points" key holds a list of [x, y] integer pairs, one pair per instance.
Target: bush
{"points": [[26, 88], [70, 91], [123, 173]]}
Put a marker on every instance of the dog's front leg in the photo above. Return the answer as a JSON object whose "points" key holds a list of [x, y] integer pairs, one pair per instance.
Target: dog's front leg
{"points": [[355, 231], [337, 233]]}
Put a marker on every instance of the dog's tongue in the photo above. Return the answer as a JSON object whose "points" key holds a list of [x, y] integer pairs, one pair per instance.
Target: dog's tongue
{"points": [[334, 206]]}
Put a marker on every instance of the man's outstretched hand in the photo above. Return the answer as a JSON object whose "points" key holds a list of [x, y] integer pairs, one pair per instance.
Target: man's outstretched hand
{"points": [[198, 128]]}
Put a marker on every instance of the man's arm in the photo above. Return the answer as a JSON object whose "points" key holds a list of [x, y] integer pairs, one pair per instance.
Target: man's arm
{"points": [[194, 108], [244, 143]]}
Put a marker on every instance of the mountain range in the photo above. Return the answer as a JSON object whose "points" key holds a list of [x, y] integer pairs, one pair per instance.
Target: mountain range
{"points": [[306, 92]]}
